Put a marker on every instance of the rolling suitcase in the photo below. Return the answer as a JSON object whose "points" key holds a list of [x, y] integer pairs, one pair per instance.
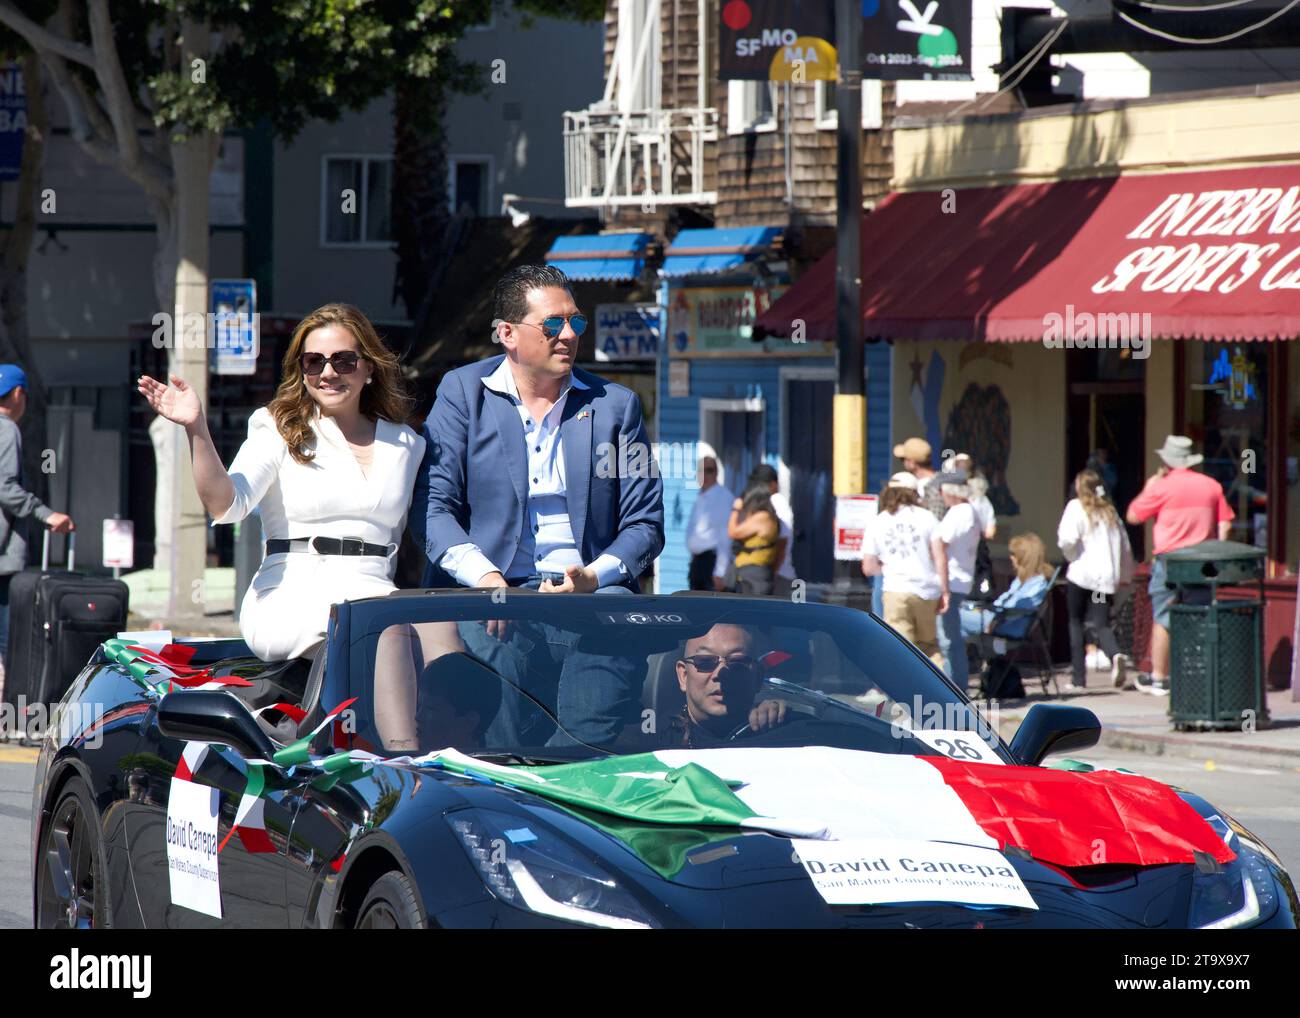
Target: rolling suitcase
{"points": [[56, 622]]}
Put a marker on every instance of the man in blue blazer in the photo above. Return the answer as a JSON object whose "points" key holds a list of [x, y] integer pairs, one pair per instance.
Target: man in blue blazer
{"points": [[539, 474]]}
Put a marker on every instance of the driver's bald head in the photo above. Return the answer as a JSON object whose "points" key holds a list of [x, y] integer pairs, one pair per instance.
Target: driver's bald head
{"points": [[724, 639]]}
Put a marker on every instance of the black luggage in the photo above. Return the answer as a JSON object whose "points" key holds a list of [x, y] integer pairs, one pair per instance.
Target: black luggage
{"points": [[56, 622]]}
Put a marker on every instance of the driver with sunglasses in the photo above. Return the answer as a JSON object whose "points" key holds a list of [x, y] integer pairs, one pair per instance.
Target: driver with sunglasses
{"points": [[719, 675]]}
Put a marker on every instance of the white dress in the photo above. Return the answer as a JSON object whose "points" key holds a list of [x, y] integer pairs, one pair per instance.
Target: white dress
{"points": [[286, 608]]}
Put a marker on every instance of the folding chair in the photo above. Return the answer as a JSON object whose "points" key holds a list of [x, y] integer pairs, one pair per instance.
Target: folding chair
{"points": [[1037, 638]]}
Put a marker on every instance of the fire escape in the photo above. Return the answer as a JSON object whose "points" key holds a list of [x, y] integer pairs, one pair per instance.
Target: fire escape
{"points": [[623, 151]]}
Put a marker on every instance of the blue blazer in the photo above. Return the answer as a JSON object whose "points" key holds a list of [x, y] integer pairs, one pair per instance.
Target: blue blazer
{"points": [[472, 485]]}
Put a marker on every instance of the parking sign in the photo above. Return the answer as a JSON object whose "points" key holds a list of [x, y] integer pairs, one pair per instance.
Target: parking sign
{"points": [[236, 341]]}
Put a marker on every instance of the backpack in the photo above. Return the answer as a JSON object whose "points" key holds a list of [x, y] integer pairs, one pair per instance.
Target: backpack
{"points": [[1002, 681]]}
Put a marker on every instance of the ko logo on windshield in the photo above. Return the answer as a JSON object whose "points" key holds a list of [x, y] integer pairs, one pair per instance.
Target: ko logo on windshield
{"points": [[645, 619]]}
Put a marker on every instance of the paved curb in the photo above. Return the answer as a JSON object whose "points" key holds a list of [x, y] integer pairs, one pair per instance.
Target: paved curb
{"points": [[1179, 744], [1184, 746]]}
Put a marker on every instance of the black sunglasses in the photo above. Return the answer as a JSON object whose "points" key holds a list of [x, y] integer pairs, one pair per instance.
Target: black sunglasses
{"points": [[551, 327], [344, 362], [708, 663]]}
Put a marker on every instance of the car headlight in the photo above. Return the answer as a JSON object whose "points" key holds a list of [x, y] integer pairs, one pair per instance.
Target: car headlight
{"points": [[1242, 893], [535, 869]]}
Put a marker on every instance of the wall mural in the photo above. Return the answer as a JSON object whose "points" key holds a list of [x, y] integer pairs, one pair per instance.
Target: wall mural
{"points": [[927, 385], [980, 424]]}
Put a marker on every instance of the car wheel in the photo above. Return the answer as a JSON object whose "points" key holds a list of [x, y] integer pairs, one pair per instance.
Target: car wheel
{"points": [[72, 879], [391, 904]]}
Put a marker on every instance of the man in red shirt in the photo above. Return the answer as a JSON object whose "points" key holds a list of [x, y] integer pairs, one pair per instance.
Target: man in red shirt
{"points": [[1188, 508]]}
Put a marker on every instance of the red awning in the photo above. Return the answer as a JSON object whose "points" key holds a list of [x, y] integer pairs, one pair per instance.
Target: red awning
{"points": [[1209, 255]]}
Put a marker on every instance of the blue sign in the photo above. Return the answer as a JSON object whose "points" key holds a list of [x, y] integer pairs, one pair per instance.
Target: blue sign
{"points": [[13, 121], [236, 339], [627, 332]]}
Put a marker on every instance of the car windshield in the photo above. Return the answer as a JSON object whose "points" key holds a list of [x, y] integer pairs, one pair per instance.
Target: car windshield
{"points": [[545, 678]]}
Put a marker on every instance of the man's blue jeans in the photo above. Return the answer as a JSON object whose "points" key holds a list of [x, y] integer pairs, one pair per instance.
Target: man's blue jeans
{"points": [[951, 642], [594, 694]]}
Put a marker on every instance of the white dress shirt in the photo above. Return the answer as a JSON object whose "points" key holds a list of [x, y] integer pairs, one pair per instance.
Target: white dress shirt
{"points": [[707, 529], [287, 605], [547, 545]]}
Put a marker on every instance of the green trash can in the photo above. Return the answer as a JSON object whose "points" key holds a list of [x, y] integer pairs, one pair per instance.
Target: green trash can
{"points": [[1216, 643]]}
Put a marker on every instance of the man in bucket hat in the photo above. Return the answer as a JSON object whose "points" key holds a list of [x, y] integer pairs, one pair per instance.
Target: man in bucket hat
{"points": [[1189, 508]]}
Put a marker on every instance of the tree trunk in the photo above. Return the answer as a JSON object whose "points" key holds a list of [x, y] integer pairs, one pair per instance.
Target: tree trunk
{"points": [[420, 212], [15, 252], [192, 162]]}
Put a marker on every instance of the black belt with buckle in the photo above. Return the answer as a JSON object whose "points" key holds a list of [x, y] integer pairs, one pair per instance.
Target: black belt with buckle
{"points": [[326, 546]]}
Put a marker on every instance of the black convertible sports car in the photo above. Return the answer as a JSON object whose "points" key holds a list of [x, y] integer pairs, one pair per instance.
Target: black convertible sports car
{"points": [[452, 759]]}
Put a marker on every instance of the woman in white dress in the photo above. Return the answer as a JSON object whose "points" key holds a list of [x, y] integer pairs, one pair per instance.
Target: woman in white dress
{"points": [[330, 458]]}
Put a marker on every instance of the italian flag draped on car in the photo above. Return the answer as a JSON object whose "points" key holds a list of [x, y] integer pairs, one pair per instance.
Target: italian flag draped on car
{"points": [[1061, 817]]}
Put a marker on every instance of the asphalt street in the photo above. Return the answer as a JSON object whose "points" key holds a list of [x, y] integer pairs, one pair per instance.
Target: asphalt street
{"points": [[1261, 798], [17, 767]]}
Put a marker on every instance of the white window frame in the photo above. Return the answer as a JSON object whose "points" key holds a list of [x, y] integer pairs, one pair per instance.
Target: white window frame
{"points": [[326, 199], [710, 433], [742, 107], [489, 199], [873, 113]]}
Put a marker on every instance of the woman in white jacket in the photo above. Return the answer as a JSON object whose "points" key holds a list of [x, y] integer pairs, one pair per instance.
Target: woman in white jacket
{"points": [[330, 464], [1095, 543]]}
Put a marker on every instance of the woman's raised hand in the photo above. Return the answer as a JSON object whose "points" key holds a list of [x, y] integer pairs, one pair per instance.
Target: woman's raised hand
{"points": [[178, 403]]}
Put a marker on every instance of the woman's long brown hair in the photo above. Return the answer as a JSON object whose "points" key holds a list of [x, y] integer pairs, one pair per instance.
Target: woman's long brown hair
{"points": [[1095, 499], [895, 497], [293, 408]]}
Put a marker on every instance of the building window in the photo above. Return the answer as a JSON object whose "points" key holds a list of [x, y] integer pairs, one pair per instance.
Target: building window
{"points": [[469, 181], [751, 106], [1228, 418], [356, 201], [873, 117]]}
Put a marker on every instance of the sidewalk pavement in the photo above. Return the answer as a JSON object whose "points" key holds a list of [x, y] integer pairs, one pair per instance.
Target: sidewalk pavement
{"points": [[1139, 722]]}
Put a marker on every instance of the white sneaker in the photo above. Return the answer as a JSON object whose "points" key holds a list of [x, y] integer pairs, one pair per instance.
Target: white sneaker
{"points": [[1090, 660], [1102, 662]]}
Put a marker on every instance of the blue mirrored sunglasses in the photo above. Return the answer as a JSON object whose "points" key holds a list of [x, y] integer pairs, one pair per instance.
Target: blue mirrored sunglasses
{"points": [[551, 327]]}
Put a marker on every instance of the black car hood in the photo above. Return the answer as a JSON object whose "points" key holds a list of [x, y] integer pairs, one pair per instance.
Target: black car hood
{"points": [[751, 870]]}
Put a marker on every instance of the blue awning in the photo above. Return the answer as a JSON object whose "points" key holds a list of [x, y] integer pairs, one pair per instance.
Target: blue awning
{"points": [[617, 257], [709, 252]]}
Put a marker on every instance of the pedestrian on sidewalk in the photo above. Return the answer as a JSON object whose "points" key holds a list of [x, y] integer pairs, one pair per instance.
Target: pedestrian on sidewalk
{"points": [[754, 524], [765, 474], [17, 504], [958, 534], [706, 533], [985, 516], [899, 546], [1097, 548], [1188, 508], [917, 457]]}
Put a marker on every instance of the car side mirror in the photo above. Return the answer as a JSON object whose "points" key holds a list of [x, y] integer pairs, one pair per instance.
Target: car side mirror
{"points": [[1054, 728], [213, 716]]}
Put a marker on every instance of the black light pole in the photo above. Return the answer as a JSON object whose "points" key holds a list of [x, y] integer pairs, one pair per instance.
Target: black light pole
{"points": [[849, 475]]}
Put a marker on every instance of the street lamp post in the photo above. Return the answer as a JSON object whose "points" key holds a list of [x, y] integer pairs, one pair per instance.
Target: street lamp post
{"points": [[850, 392]]}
